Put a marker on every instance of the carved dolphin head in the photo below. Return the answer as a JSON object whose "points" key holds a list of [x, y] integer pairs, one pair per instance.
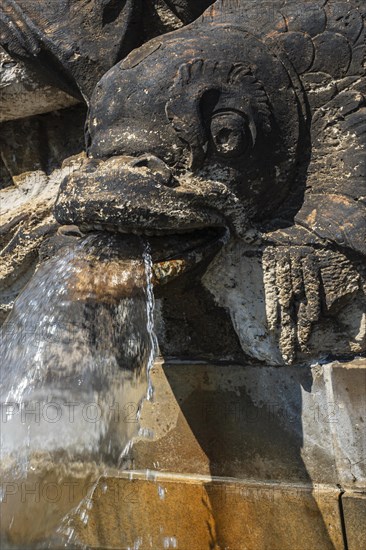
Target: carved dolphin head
{"points": [[212, 130], [199, 129]]}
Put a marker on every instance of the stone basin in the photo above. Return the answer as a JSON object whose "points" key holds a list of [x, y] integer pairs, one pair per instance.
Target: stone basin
{"points": [[221, 464]]}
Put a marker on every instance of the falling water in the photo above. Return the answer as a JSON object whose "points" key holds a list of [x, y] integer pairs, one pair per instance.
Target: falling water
{"points": [[76, 353]]}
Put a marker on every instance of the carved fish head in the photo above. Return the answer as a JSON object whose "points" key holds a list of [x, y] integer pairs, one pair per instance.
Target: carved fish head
{"points": [[215, 130], [196, 130]]}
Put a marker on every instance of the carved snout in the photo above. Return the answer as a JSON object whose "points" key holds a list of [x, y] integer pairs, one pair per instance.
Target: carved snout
{"points": [[157, 167], [140, 195], [134, 195]]}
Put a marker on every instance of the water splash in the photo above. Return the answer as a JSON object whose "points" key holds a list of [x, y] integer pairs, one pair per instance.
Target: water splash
{"points": [[76, 354]]}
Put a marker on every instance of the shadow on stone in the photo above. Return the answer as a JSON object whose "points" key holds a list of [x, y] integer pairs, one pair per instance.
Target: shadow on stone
{"points": [[255, 438]]}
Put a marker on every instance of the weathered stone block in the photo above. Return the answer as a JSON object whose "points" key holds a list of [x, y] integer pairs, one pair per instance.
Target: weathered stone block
{"points": [[354, 510], [189, 513]]}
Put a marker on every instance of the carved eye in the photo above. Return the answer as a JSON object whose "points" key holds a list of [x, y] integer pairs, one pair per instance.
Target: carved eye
{"points": [[230, 133]]}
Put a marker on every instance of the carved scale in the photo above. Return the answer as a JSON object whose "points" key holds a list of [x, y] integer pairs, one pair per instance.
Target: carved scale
{"points": [[322, 45]]}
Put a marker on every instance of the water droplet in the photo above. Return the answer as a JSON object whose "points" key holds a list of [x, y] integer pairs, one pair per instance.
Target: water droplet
{"points": [[161, 492]]}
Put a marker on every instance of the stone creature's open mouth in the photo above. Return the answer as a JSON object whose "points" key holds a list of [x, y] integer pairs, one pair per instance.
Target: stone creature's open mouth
{"points": [[184, 225], [172, 253]]}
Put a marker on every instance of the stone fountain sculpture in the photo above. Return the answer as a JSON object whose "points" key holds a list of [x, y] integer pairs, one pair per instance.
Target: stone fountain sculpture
{"points": [[216, 127], [235, 144]]}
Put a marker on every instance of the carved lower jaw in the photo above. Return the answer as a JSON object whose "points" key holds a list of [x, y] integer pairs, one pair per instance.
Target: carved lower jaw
{"points": [[172, 253]]}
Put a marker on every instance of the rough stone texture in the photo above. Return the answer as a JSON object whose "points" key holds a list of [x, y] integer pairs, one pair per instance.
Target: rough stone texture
{"points": [[73, 43], [287, 301], [32, 153]]}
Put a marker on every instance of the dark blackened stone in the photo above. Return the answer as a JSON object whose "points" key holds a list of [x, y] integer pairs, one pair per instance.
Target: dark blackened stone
{"points": [[357, 65], [326, 61], [299, 49], [311, 20], [320, 88], [188, 10], [73, 43], [341, 18]]}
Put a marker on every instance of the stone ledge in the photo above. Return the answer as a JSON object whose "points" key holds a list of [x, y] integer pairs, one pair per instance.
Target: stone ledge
{"points": [[192, 513]]}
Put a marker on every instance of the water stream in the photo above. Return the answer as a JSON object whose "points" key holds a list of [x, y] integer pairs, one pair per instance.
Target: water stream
{"points": [[76, 353]]}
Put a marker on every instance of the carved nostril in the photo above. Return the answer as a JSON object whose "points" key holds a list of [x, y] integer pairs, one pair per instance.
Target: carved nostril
{"points": [[69, 231], [140, 163], [91, 166], [157, 167]]}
